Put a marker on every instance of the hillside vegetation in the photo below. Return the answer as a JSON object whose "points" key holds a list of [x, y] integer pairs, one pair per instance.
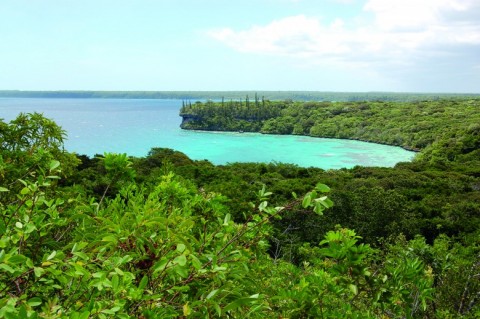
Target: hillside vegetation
{"points": [[165, 236], [413, 125]]}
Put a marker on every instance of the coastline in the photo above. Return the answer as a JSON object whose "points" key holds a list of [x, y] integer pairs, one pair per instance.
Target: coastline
{"points": [[407, 148]]}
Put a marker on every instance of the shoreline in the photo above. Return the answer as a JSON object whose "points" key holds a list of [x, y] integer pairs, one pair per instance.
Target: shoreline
{"points": [[407, 148]]}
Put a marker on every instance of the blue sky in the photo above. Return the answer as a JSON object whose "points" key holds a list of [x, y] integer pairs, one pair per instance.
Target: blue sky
{"points": [[322, 45]]}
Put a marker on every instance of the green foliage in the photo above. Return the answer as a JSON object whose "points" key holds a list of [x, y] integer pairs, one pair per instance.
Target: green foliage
{"points": [[28, 144], [117, 167], [153, 237], [155, 254], [343, 281]]}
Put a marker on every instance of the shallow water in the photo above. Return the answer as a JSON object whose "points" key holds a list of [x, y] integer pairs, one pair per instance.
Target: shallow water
{"points": [[95, 126]]}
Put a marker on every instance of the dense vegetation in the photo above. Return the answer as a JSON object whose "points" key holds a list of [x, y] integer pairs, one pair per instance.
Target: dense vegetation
{"points": [[413, 125], [217, 95], [165, 236]]}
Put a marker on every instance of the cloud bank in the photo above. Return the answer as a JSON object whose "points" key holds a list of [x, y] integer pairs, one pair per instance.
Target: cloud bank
{"points": [[394, 32]]}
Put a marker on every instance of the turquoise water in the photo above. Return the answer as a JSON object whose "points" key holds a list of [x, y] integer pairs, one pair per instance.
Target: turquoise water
{"points": [[95, 126]]}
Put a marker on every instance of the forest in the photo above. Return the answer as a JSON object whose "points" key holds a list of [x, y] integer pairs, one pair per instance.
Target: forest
{"points": [[165, 236]]}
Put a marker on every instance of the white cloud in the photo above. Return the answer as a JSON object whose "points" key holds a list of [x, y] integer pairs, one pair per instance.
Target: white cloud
{"points": [[400, 32], [395, 15], [299, 36], [344, 1], [448, 21]]}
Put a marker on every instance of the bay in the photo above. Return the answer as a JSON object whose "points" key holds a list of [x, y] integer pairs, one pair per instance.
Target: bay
{"points": [[134, 126]]}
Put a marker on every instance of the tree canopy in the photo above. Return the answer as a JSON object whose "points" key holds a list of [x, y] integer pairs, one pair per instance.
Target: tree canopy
{"points": [[165, 236]]}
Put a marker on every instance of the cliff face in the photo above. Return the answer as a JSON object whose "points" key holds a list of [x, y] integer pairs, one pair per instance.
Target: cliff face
{"points": [[201, 123], [188, 118]]}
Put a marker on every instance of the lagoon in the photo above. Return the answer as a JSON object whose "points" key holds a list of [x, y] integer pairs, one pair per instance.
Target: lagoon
{"points": [[134, 126]]}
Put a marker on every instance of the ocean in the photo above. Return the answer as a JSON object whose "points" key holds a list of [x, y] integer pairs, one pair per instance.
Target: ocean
{"points": [[134, 126]]}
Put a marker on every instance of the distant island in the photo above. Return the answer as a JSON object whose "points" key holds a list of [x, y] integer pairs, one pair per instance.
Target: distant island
{"points": [[235, 95]]}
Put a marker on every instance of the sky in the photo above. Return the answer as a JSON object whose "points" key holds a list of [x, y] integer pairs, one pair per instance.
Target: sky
{"points": [[221, 45]]}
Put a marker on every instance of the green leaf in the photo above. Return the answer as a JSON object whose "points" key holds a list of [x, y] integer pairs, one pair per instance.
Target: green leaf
{"points": [[38, 271], [318, 209], [54, 164], [195, 262], [7, 268], [307, 200], [29, 263], [81, 254], [181, 248], [181, 260], [322, 188], [108, 312], [84, 315], [22, 313], [30, 228], [212, 293], [226, 220], [143, 283], [326, 202], [118, 271], [115, 281], [4, 242], [110, 238], [182, 271], [3, 189], [353, 288], [52, 255], [241, 302], [160, 265], [35, 301], [217, 309], [219, 268], [262, 206], [17, 259], [181, 288]]}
